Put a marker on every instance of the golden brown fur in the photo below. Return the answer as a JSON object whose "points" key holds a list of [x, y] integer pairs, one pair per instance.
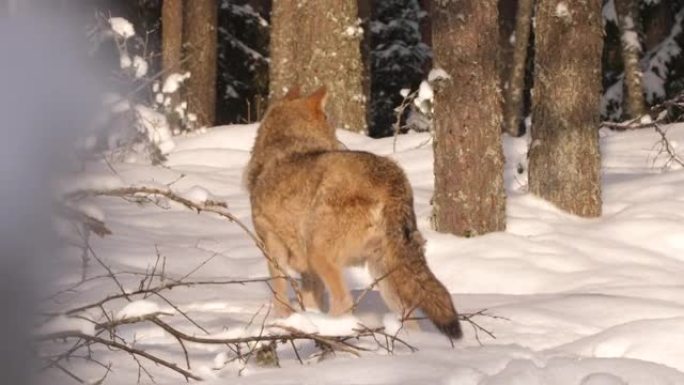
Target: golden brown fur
{"points": [[318, 209]]}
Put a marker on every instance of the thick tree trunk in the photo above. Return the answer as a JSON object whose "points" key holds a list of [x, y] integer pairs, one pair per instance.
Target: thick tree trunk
{"points": [[628, 13], [564, 153], [469, 192], [507, 10], [513, 95], [172, 35], [285, 24], [318, 43], [200, 44]]}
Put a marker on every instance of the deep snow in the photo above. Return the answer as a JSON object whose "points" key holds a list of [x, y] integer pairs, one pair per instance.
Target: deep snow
{"points": [[577, 301]]}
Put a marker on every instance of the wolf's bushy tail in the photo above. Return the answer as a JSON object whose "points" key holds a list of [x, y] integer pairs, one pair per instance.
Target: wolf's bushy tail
{"points": [[408, 277]]}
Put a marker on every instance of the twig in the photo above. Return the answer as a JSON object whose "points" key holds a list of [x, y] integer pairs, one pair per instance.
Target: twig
{"points": [[194, 270], [369, 288], [104, 376], [366, 331], [181, 312], [69, 373], [296, 352], [261, 333], [154, 268], [104, 265], [667, 146], [477, 327]]}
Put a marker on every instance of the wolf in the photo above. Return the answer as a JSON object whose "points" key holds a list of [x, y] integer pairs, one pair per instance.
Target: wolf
{"points": [[318, 208]]}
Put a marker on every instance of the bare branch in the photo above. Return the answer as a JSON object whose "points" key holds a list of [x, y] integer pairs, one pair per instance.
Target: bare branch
{"points": [[667, 146], [398, 114], [219, 208], [477, 327], [69, 373], [120, 346]]}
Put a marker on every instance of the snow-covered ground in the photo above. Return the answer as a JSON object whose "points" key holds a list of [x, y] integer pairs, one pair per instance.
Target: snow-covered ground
{"points": [[571, 301]]}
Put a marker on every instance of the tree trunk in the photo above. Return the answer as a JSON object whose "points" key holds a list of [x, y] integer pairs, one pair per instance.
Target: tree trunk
{"points": [[657, 24], [172, 35], [628, 13], [507, 10], [285, 25], [564, 153], [469, 192], [200, 44], [365, 9], [426, 31], [172, 44], [513, 103], [317, 43]]}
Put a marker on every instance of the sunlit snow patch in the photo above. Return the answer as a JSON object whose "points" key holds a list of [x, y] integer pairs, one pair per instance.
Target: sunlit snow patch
{"points": [[141, 308], [319, 323]]}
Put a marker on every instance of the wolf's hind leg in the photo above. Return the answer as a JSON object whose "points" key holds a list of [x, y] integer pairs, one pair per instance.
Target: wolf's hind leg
{"points": [[331, 273], [313, 291]]}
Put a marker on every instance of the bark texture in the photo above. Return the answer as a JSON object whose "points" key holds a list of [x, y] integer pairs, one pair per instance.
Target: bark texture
{"points": [[172, 35], [513, 96], [469, 192], [172, 47], [426, 30], [200, 44], [628, 13], [657, 24], [507, 17], [318, 43], [564, 166]]}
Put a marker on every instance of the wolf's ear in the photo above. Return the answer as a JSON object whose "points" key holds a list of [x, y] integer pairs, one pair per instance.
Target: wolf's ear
{"points": [[318, 98], [292, 93]]}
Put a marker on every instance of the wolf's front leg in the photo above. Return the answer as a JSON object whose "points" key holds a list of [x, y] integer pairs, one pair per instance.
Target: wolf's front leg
{"points": [[277, 253], [281, 302]]}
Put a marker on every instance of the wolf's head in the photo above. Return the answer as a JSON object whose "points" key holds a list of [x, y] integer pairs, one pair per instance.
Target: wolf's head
{"points": [[293, 125], [299, 115]]}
